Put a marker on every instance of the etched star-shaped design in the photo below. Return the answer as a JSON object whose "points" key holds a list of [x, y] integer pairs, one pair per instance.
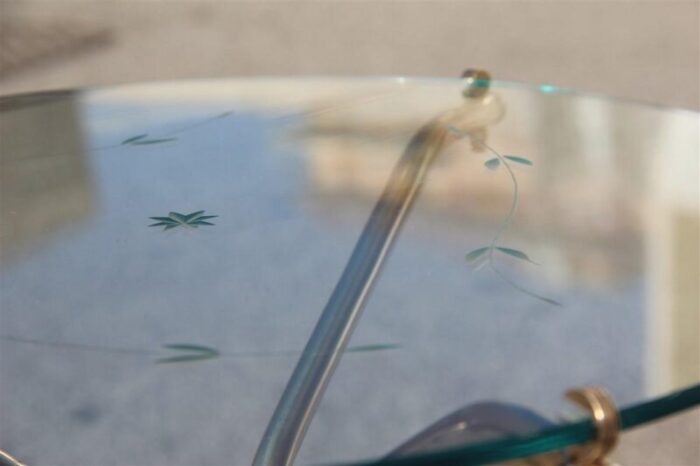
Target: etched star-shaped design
{"points": [[175, 219]]}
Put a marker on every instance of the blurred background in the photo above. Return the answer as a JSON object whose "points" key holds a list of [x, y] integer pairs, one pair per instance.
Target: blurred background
{"points": [[641, 50]]}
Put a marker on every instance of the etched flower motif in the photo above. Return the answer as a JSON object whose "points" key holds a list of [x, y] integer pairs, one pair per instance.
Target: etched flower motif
{"points": [[175, 219]]}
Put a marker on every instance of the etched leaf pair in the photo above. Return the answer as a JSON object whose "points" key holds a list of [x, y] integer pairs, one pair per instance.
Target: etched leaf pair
{"points": [[189, 353], [478, 253], [143, 140], [494, 163]]}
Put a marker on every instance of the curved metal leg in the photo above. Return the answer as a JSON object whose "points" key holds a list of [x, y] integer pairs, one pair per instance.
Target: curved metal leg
{"points": [[293, 414]]}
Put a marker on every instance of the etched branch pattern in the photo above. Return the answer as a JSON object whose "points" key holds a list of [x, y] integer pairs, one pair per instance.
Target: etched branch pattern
{"points": [[485, 255]]}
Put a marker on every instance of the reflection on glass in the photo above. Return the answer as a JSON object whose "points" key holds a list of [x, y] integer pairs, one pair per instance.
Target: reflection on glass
{"points": [[91, 298], [45, 183], [673, 254]]}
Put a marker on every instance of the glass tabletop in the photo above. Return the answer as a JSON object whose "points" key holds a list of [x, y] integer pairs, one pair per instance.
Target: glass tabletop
{"points": [[167, 248]]}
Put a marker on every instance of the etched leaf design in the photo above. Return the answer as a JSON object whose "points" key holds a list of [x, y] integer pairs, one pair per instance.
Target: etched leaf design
{"points": [[375, 347], [192, 216], [144, 142], [196, 353], [475, 254], [134, 138], [492, 164], [162, 219], [186, 358], [190, 347], [516, 159], [549, 300], [178, 217], [175, 219], [516, 253]]}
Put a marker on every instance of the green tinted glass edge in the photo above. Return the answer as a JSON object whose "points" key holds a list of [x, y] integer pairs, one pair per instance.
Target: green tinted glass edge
{"points": [[549, 440]]}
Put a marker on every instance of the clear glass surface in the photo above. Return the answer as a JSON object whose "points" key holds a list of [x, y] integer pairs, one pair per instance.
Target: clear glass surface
{"points": [[93, 298]]}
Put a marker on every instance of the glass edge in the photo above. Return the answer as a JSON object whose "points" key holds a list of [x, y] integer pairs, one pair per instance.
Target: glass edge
{"points": [[542, 88], [546, 441]]}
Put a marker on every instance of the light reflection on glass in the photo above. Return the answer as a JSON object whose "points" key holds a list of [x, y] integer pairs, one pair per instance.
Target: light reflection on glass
{"points": [[609, 209], [548, 88]]}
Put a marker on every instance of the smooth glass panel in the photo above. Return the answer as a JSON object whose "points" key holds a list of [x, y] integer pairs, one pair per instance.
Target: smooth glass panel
{"points": [[286, 172]]}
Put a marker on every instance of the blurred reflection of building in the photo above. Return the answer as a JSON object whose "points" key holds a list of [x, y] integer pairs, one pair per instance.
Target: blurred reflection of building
{"points": [[673, 256], [44, 178], [592, 222], [612, 198]]}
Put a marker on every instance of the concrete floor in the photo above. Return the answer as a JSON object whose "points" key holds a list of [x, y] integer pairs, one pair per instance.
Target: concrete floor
{"points": [[643, 50]]}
